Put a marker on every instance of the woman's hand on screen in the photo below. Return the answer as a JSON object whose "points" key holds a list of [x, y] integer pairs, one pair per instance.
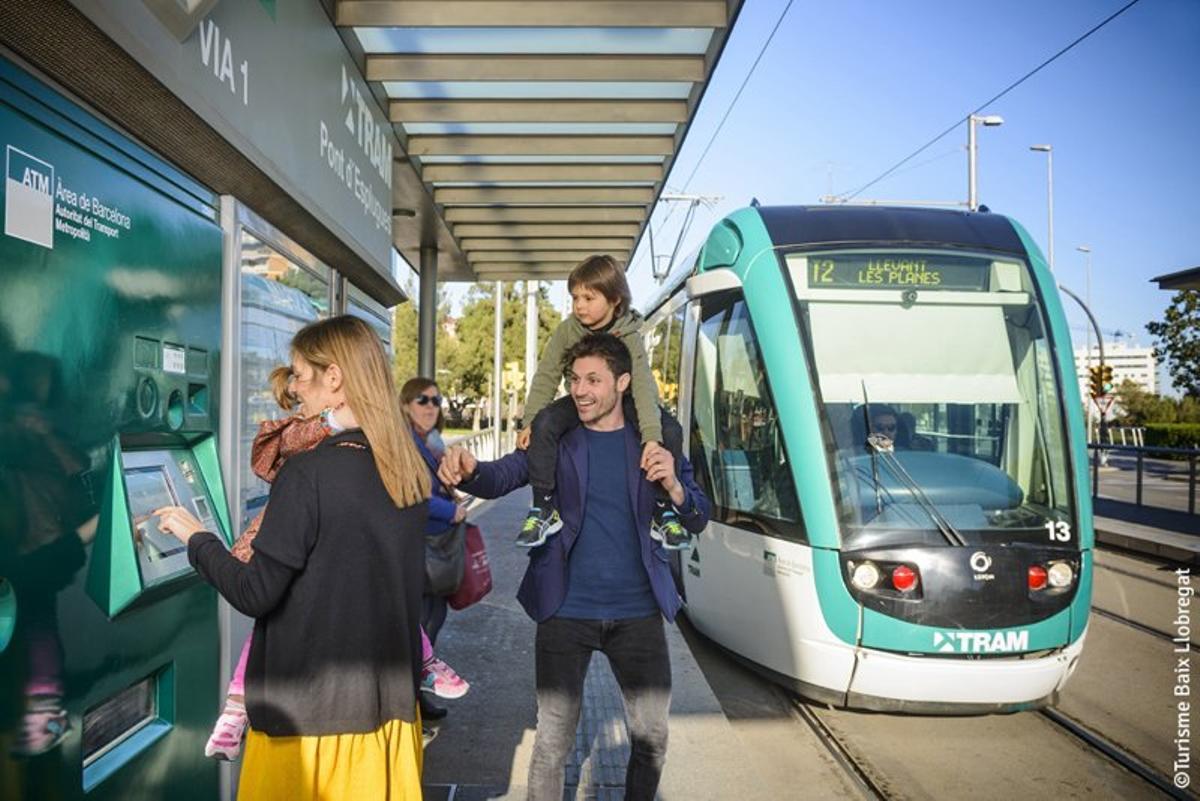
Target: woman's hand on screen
{"points": [[178, 522]]}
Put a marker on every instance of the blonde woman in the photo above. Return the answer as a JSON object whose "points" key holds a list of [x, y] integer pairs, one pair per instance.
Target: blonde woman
{"points": [[335, 588]]}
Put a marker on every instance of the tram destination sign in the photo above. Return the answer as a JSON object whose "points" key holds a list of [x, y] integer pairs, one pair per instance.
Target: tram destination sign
{"points": [[898, 270]]}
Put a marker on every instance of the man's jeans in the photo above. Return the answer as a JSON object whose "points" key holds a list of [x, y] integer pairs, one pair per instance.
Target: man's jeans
{"points": [[637, 651]]}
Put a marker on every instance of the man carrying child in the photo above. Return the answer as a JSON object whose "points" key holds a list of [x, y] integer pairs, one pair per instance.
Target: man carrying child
{"points": [[604, 584], [600, 304]]}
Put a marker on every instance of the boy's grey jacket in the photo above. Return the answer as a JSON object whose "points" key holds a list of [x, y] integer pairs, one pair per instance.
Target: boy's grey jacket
{"points": [[643, 387]]}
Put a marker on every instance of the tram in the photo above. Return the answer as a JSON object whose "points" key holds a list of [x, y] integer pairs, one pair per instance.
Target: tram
{"points": [[883, 410]]}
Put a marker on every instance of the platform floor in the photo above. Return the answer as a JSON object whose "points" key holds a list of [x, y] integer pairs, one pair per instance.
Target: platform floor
{"points": [[484, 745]]}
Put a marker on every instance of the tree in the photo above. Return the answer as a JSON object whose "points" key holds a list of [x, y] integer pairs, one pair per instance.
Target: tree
{"points": [[405, 333], [471, 367], [1137, 407], [1177, 340], [404, 338]]}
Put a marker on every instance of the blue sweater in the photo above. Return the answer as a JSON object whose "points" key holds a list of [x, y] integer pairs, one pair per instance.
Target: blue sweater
{"points": [[605, 576], [545, 584]]}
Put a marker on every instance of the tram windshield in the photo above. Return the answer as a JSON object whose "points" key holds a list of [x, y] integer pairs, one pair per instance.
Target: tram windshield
{"points": [[948, 357]]}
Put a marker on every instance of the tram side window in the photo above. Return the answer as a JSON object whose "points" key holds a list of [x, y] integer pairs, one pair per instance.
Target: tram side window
{"points": [[664, 346], [737, 445]]}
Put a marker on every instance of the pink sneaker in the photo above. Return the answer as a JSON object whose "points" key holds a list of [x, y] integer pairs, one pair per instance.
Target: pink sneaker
{"points": [[225, 742], [440, 679]]}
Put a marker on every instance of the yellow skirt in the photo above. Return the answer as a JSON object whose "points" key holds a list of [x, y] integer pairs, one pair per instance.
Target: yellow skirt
{"points": [[383, 764]]}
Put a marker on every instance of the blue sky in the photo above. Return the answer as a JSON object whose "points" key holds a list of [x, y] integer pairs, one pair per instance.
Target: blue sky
{"points": [[857, 85], [848, 88]]}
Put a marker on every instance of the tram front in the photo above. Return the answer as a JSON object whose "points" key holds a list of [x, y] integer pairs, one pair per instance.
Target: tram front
{"points": [[940, 395]]}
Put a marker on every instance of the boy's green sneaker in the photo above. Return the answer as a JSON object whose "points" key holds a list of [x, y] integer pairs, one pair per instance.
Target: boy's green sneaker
{"points": [[667, 529], [539, 524]]}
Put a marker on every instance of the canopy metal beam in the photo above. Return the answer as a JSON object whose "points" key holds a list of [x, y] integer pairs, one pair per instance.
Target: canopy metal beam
{"points": [[553, 67], [552, 147], [498, 145], [467, 230], [648, 173], [558, 110], [533, 13], [545, 214], [484, 257], [635, 195], [491, 269], [610, 244]]}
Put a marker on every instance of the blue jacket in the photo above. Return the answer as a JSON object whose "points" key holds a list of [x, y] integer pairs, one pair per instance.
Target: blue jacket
{"points": [[441, 508], [545, 584]]}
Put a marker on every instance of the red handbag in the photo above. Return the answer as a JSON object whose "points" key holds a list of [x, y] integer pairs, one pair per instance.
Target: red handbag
{"points": [[477, 574]]}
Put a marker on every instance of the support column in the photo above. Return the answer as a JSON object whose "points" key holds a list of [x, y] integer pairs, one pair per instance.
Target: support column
{"points": [[498, 369], [531, 333], [427, 310]]}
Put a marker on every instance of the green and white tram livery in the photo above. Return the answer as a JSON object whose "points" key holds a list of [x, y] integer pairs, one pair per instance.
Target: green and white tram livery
{"points": [[881, 406]]}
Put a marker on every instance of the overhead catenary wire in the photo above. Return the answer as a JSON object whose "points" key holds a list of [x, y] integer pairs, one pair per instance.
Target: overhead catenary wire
{"points": [[729, 109], [950, 129]]}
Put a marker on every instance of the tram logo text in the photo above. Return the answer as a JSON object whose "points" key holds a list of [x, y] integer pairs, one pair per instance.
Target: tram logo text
{"points": [[980, 642]]}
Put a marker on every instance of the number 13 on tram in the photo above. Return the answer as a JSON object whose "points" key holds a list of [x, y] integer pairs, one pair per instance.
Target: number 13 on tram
{"points": [[882, 406]]}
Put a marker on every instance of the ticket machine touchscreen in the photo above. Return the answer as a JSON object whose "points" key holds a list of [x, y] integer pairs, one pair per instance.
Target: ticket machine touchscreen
{"points": [[154, 479], [149, 490]]}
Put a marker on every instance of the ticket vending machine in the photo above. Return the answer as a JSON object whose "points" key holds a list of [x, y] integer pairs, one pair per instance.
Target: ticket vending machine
{"points": [[110, 353]]}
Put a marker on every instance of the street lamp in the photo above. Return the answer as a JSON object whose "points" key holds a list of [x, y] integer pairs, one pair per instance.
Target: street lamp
{"points": [[1087, 296], [1087, 302], [1049, 151], [990, 121]]}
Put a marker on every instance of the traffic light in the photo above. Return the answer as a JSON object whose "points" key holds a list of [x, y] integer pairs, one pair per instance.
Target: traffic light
{"points": [[1096, 381], [1106, 378]]}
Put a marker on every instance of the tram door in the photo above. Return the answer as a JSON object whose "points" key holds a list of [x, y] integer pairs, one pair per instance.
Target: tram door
{"points": [[752, 560], [110, 309]]}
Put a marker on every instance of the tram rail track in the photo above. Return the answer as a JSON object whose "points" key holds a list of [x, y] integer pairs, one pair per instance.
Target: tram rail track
{"points": [[1133, 624], [841, 755], [1116, 753], [862, 776], [1121, 571]]}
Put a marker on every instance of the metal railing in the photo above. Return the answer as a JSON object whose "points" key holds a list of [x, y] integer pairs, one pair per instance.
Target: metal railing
{"points": [[1190, 455], [1129, 435], [484, 443]]}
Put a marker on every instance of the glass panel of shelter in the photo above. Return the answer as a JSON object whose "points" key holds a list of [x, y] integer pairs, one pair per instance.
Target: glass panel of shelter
{"points": [[279, 297]]}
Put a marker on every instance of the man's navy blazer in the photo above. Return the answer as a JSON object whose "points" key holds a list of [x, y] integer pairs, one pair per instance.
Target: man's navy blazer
{"points": [[544, 587]]}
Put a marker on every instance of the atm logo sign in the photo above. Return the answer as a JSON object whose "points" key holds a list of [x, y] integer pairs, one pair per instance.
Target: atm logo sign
{"points": [[980, 642], [28, 198]]}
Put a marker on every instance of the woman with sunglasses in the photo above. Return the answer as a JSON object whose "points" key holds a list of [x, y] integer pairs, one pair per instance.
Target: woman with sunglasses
{"points": [[422, 405]]}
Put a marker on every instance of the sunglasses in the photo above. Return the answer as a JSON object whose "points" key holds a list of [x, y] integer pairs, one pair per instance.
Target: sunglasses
{"points": [[425, 400]]}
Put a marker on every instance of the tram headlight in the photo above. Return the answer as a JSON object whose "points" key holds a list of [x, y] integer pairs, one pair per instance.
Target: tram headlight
{"points": [[1060, 575], [865, 575]]}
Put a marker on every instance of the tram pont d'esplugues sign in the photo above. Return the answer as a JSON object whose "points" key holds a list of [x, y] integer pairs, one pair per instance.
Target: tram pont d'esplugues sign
{"points": [[276, 81]]}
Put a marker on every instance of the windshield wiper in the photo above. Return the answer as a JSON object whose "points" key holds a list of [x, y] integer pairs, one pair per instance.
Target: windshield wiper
{"points": [[874, 460], [881, 446]]}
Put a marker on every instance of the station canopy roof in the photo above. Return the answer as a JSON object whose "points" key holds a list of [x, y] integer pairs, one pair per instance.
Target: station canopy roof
{"points": [[1184, 279], [534, 132]]}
